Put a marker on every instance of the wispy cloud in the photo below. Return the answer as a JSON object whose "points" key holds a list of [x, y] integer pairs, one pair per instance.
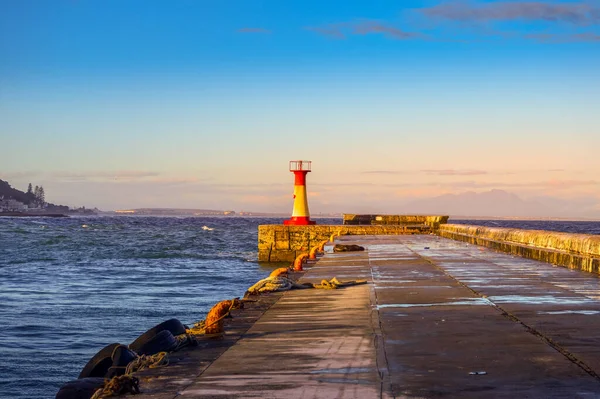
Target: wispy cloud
{"points": [[331, 30], [364, 27], [253, 30], [454, 172], [577, 13], [387, 172], [438, 172], [567, 184], [20, 175], [561, 38], [374, 27], [547, 184], [124, 175]]}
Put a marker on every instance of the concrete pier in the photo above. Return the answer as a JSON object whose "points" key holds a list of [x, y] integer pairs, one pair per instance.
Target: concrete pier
{"points": [[439, 318]]}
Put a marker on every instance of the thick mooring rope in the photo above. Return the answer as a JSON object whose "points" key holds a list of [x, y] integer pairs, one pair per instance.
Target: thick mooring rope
{"points": [[117, 386], [143, 362], [279, 283]]}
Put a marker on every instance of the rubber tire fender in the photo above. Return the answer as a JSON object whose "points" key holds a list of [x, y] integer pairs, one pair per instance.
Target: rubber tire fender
{"points": [[82, 388], [164, 341], [174, 326], [121, 357], [99, 363]]}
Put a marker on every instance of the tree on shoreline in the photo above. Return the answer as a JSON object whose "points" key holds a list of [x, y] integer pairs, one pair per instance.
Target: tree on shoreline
{"points": [[42, 197], [39, 196]]}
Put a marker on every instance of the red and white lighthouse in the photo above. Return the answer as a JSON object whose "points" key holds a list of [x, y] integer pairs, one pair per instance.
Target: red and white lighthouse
{"points": [[300, 214]]}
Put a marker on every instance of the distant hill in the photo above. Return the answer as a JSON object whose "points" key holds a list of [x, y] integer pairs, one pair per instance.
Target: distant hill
{"points": [[491, 203], [8, 192]]}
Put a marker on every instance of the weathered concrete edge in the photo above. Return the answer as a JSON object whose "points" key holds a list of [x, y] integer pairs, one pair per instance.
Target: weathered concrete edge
{"points": [[574, 251]]}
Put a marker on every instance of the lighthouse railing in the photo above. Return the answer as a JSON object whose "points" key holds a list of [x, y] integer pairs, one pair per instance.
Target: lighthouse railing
{"points": [[300, 165]]}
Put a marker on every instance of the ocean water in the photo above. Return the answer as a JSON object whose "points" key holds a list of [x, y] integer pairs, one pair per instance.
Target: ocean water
{"points": [[70, 286]]}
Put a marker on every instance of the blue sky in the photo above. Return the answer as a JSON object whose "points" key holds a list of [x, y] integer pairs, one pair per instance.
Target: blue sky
{"points": [[200, 104]]}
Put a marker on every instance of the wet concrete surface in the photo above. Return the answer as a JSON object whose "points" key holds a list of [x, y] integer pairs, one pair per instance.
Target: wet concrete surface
{"points": [[439, 318]]}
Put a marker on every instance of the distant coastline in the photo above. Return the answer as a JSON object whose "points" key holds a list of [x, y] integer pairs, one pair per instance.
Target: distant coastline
{"points": [[33, 214]]}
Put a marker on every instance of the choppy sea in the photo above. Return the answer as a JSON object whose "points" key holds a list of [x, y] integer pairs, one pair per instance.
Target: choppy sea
{"points": [[70, 286]]}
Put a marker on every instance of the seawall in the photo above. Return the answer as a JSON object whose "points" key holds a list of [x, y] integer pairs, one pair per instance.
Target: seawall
{"points": [[279, 243], [379, 219], [575, 251]]}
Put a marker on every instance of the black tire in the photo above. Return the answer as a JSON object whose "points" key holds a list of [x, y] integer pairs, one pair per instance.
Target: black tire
{"points": [[164, 341], [99, 363], [82, 388], [174, 326], [121, 357]]}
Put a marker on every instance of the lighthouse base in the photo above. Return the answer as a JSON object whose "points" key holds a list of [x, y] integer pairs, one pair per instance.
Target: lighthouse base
{"points": [[299, 221]]}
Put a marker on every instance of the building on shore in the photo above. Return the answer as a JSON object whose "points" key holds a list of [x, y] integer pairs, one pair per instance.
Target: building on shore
{"points": [[11, 205]]}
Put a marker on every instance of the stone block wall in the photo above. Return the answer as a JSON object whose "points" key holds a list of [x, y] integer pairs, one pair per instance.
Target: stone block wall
{"points": [[433, 221], [576, 251], [279, 243]]}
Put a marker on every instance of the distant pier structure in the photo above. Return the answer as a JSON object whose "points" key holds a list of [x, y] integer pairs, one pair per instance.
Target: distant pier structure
{"points": [[300, 213]]}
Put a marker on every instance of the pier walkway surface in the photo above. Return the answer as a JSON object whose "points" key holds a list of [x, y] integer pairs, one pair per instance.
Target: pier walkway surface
{"points": [[439, 318]]}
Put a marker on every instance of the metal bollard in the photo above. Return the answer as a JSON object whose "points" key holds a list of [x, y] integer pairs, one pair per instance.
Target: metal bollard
{"points": [[298, 262], [312, 255], [321, 246]]}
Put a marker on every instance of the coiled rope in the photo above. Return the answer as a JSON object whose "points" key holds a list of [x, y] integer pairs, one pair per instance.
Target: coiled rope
{"points": [[143, 362], [279, 283], [127, 383], [117, 386]]}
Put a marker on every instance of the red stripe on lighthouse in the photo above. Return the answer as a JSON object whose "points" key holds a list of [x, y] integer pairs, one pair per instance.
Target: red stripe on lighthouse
{"points": [[300, 178], [299, 221]]}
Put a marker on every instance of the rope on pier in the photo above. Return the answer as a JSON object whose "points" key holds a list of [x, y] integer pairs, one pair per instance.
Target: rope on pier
{"points": [[334, 283], [185, 340], [278, 283], [143, 362], [273, 284], [117, 386]]}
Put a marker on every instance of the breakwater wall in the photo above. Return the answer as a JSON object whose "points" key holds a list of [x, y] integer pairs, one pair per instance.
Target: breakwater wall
{"points": [[575, 251], [378, 219], [279, 243]]}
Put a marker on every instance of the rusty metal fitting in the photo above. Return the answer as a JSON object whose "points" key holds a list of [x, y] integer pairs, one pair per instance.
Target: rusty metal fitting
{"points": [[298, 262], [313, 253], [321, 246]]}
